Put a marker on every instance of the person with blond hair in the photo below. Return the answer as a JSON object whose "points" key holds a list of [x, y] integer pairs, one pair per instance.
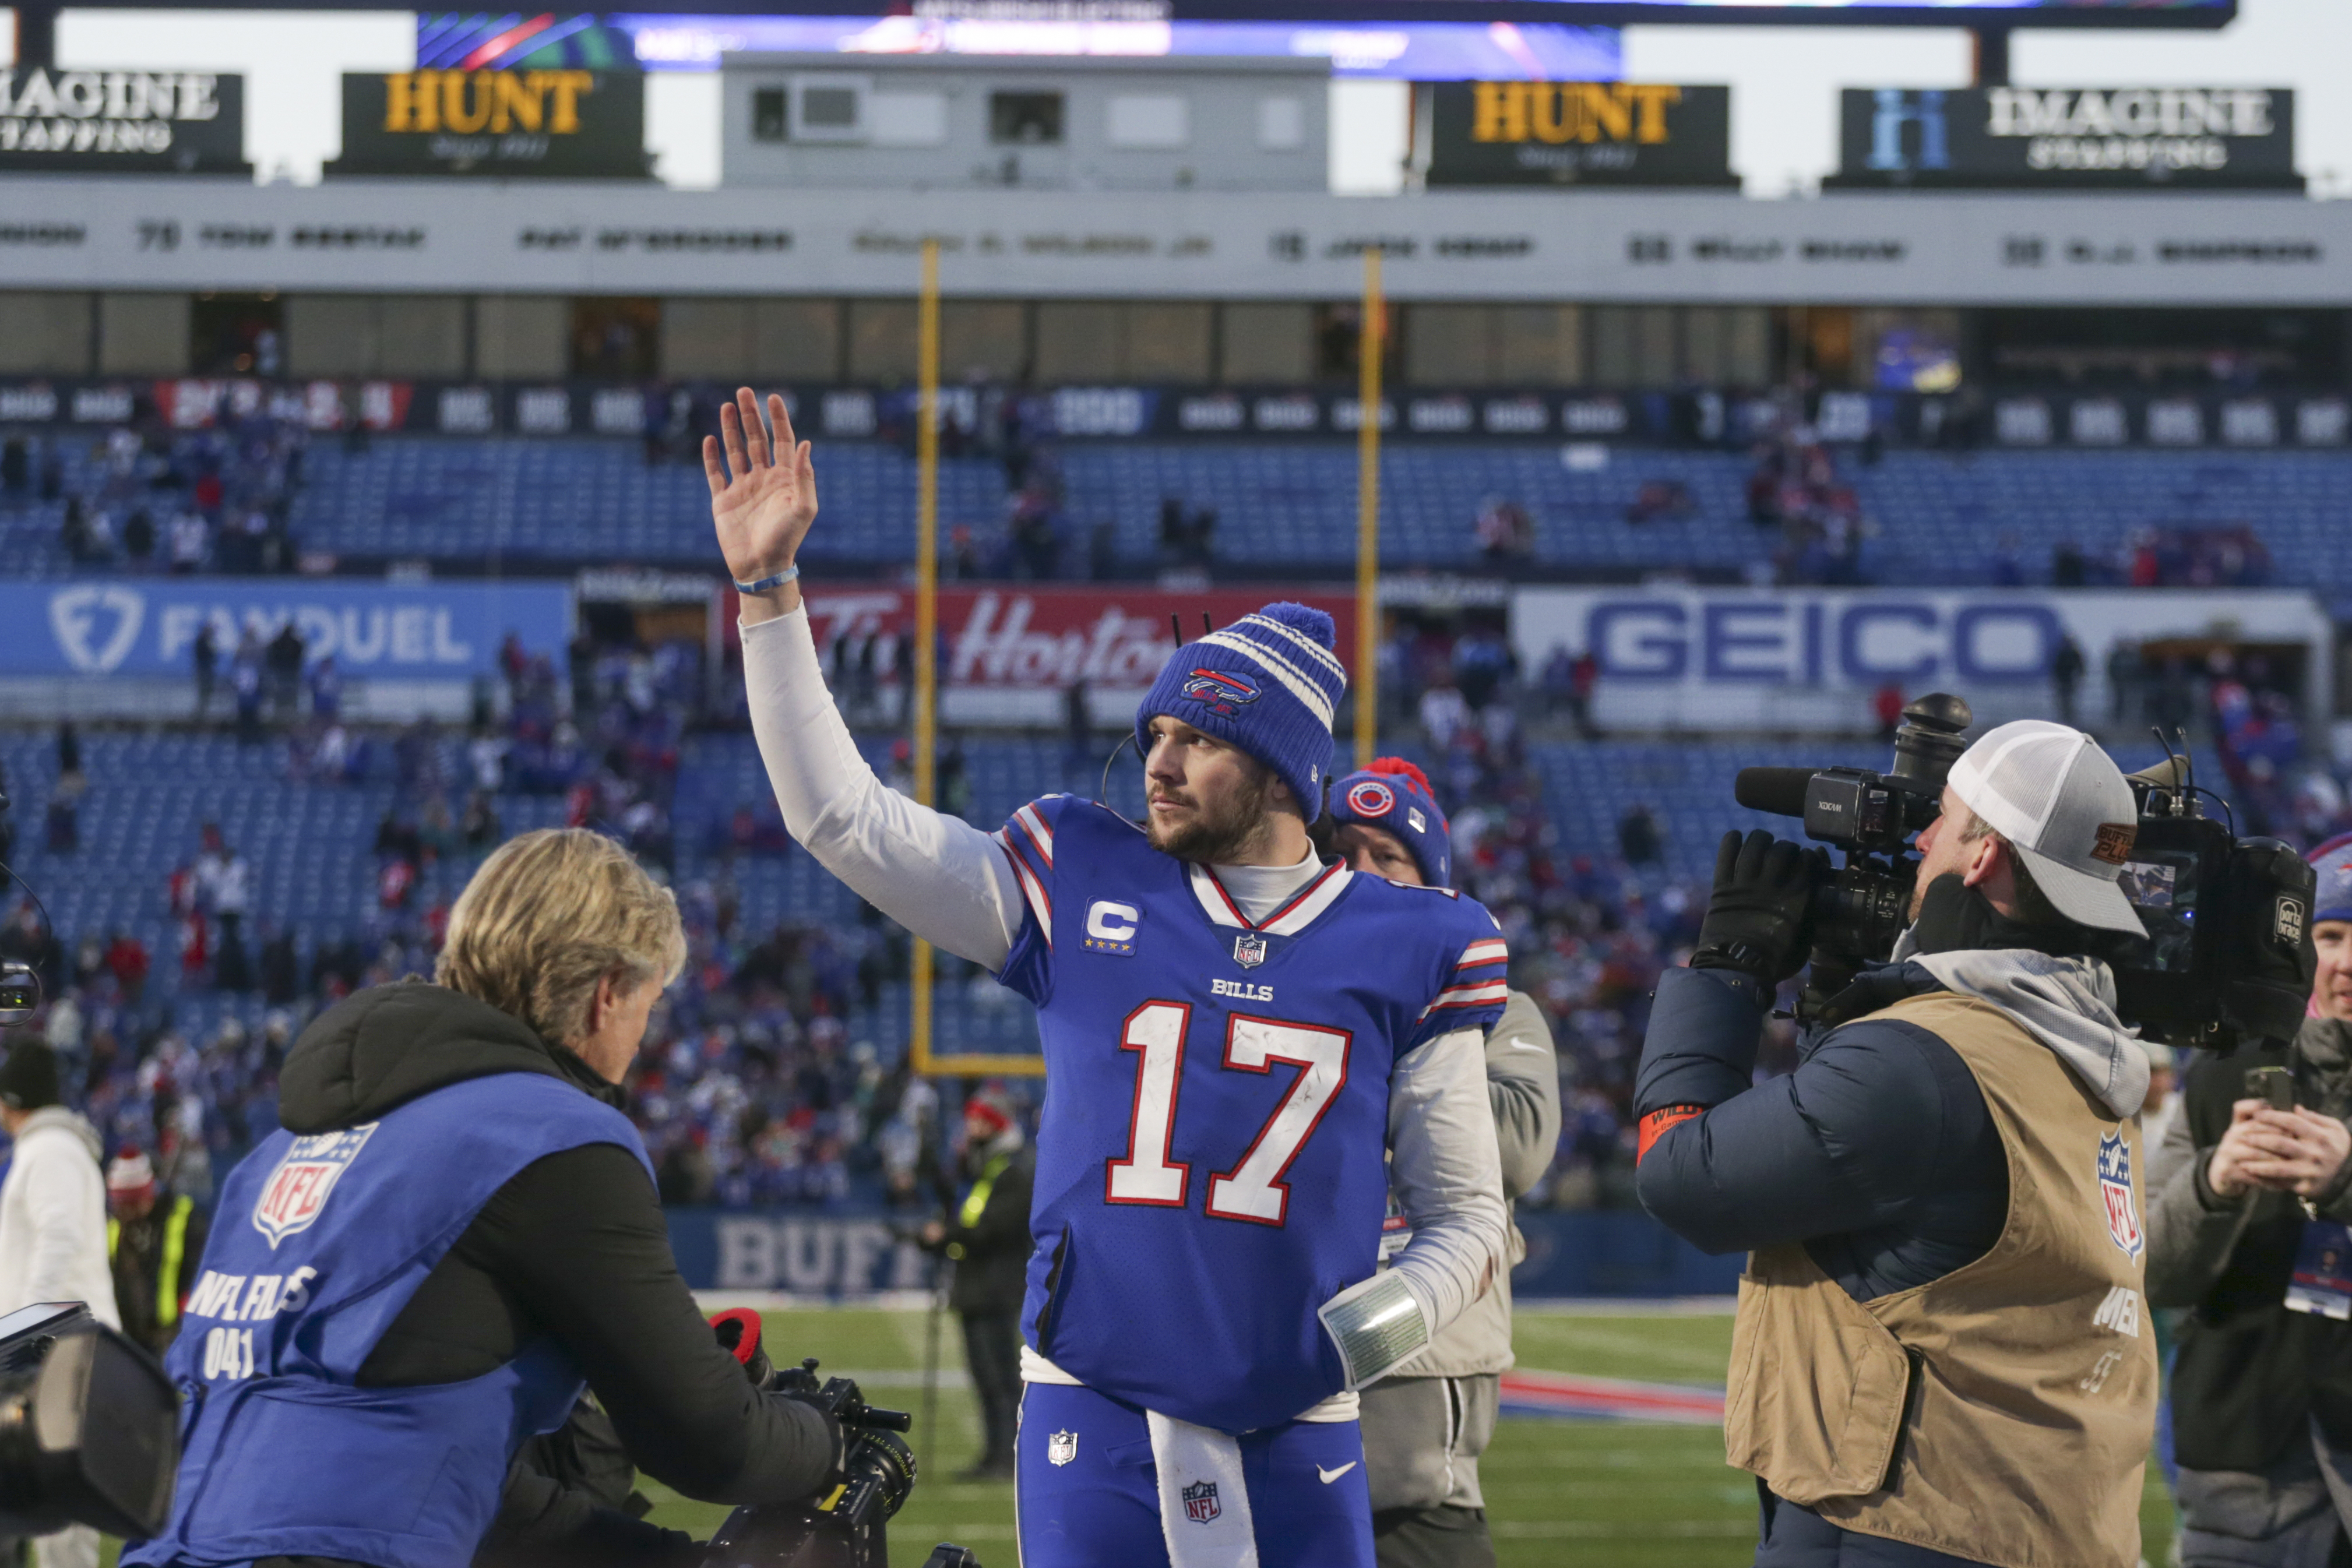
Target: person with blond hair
{"points": [[454, 1232]]}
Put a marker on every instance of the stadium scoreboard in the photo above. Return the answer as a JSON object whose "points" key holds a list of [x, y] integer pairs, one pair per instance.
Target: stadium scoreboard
{"points": [[1977, 13]]}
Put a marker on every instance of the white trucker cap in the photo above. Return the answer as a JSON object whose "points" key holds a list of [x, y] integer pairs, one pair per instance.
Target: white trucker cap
{"points": [[2064, 806]]}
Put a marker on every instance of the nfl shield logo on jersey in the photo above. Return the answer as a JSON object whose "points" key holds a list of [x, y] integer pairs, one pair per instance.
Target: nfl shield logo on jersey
{"points": [[1249, 949], [1201, 1502], [2116, 1188], [1061, 1447], [297, 1190]]}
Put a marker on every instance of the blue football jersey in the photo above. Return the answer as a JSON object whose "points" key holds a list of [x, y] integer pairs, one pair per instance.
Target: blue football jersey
{"points": [[1211, 1152]]}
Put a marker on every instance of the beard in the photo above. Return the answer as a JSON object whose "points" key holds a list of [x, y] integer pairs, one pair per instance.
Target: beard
{"points": [[1219, 833]]}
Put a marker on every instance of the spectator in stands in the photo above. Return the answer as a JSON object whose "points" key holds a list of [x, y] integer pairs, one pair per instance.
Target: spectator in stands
{"points": [[479, 826], [2066, 667], [192, 543], [2068, 568], [1638, 838], [15, 471], [126, 960], [248, 686], [283, 659], [203, 656], [139, 538], [1444, 714], [61, 825], [1504, 534], [1886, 707]]}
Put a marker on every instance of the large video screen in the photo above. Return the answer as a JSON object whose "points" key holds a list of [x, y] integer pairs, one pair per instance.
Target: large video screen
{"points": [[672, 41], [1814, 12]]}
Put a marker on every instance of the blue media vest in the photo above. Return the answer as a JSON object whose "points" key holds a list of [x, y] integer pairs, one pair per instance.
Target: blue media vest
{"points": [[1212, 1155], [317, 1246]]}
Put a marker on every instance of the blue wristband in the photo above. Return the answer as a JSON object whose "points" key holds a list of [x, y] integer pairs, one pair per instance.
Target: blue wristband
{"points": [[788, 574]]}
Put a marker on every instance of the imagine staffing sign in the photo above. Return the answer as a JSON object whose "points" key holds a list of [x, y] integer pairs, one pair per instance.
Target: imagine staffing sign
{"points": [[2025, 138]]}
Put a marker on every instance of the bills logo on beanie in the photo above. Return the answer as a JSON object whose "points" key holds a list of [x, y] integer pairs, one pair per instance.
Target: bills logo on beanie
{"points": [[1267, 684], [1394, 795], [2332, 899]]}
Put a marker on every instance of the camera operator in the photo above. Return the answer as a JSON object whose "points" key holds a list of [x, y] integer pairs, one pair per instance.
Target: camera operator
{"points": [[1932, 1362], [2247, 1226], [458, 1226]]}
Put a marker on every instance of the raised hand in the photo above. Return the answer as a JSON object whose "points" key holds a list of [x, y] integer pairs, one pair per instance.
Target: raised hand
{"points": [[762, 499]]}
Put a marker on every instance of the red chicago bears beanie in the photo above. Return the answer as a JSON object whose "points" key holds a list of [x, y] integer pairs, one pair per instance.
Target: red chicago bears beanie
{"points": [[1269, 684]]}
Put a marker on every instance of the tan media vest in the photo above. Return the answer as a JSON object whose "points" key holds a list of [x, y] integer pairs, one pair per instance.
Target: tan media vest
{"points": [[2003, 1413]]}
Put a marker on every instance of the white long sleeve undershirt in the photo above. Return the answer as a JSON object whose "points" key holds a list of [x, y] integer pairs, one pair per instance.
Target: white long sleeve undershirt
{"points": [[950, 884]]}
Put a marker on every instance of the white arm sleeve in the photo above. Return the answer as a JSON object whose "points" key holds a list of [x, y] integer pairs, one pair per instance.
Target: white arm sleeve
{"points": [[937, 876], [1448, 1177], [1447, 1171]]}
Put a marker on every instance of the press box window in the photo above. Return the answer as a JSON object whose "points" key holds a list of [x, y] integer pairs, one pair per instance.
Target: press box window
{"points": [[1029, 119], [768, 114], [812, 109]]}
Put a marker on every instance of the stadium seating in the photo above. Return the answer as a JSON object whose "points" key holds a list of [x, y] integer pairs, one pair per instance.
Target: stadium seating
{"points": [[314, 869], [1292, 506]]}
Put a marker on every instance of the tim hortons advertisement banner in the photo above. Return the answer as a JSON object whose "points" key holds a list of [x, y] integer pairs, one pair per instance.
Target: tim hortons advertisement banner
{"points": [[540, 124], [1578, 133], [2067, 138], [122, 122], [1010, 652], [1798, 659]]}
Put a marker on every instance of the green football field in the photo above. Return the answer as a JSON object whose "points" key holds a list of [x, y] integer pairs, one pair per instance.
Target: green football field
{"points": [[1557, 1491]]}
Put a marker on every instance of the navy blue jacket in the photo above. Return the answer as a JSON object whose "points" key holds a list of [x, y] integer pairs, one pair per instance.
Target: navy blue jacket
{"points": [[1878, 1154]]}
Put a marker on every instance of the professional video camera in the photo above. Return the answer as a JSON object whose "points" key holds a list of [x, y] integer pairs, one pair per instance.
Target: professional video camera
{"points": [[1863, 907], [845, 1527], [90, 1426], [2228, 960]]}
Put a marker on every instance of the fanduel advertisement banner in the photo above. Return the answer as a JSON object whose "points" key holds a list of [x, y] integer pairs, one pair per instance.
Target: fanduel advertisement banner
{"points": [[1798, 659], [2066, 137], [122, 122], [146, 627], [545, 124], [1578, 133]]}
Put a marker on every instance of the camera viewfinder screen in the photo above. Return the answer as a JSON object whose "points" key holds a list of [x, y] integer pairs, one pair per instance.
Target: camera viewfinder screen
{"points": [[2164, 891]]}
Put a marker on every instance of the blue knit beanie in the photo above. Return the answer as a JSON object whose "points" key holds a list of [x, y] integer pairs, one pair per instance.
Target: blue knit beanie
{"points": [[1269, 684], [1393, 794], [2333, 863]]}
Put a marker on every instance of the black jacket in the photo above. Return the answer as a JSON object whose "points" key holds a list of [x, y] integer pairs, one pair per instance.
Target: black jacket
{"points": [[992, 1253], [2250, 1374], [573, 1248]]}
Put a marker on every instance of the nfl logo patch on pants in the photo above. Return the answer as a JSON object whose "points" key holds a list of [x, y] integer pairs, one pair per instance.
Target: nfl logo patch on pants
{"points": [[1089, 1485]]}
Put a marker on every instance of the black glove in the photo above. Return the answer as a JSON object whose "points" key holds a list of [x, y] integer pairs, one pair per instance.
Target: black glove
{"points": [[1759, 916]]}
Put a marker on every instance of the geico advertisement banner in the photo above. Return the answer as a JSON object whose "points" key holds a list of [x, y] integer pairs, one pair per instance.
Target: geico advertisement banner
{"points": [[1765, 659], [148, 627], [1602, 247]]}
